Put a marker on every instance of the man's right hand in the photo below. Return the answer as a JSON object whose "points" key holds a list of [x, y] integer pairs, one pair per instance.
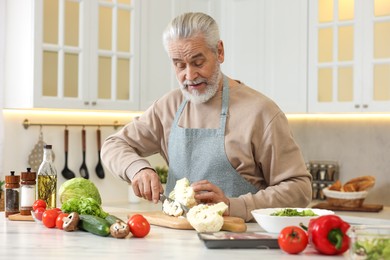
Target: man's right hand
{"points": [[146, 184]]}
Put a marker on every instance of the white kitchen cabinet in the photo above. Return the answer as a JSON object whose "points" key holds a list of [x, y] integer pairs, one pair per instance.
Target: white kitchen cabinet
{"points": [[72, 54], [266, 48], [349, 56]]}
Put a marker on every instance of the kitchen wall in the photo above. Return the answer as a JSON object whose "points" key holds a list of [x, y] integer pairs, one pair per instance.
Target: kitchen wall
{"points": [[19, 143], [361, 146]]}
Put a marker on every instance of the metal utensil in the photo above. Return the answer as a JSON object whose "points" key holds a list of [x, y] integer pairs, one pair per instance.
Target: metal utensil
{"points": [[99, 168], [183, 207], [83, 168], [66, 172]]}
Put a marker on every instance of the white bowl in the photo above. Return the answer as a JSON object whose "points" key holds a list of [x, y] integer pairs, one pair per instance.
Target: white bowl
{"points": [[275, 224]]}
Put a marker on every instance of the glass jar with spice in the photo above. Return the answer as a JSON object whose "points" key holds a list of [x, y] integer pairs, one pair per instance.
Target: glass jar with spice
{"points": [[27, 191], [12, 194]]}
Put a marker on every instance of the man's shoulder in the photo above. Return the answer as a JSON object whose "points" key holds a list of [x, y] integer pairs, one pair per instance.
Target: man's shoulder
{"points": [[254, 97]]}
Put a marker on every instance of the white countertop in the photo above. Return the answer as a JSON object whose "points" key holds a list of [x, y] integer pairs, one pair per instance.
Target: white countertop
{"points": [[31, 240]]}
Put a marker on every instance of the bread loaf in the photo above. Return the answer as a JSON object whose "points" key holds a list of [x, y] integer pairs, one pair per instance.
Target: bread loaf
{"points": [[360, 183], [356, 184]]}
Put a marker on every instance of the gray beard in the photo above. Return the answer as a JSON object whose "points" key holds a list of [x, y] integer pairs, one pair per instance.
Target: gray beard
{"points": [[211, 89]]}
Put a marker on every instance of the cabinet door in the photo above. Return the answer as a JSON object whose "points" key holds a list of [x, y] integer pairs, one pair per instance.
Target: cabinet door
{"points": [[157, 77], [349, 56], [265, 46], [60, 54], [376, 56], [114, 55]]}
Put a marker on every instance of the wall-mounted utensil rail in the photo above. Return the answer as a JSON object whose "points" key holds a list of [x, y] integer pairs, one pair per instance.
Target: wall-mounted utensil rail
{"points": [[27, 124]]}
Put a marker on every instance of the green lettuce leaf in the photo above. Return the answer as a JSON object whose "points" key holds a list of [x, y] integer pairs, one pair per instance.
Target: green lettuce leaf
{"points": [[86, 206]]}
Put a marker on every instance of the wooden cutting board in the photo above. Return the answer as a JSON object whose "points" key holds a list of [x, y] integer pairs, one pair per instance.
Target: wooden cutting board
{"points": [[18, 217], [363, 208], [159, 218]]}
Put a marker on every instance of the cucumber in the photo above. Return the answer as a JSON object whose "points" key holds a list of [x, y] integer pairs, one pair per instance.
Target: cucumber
{"points": [[95, 225], [112, 219]]}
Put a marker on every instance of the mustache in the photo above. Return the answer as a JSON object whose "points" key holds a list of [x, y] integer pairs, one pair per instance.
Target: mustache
{"points": [[187, 83]]}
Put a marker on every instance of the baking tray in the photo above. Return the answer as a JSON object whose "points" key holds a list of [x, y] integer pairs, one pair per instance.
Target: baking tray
{"points": [[239, 240]]}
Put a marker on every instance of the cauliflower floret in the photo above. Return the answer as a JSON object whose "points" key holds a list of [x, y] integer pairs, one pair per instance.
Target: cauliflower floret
{"points": [[172, 208], [207, 218], [183, 193]]}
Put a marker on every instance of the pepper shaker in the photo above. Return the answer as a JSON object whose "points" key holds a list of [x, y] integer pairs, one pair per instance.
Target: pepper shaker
{"points": [[12, 194]]}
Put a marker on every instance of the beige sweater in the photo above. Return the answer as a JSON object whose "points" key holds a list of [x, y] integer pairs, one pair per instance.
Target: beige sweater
{"points": [[258, 144]]}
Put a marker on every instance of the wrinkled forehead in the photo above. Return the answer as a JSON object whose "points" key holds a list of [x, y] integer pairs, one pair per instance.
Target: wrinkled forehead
{"points": [[187, 47]]}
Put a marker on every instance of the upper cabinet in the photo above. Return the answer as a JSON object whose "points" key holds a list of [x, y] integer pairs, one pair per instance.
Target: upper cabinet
{"points": [[72, 54], [266, 48], [349, 56]]}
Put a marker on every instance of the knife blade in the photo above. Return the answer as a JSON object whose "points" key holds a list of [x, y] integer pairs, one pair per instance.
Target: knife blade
{"points": [[183, 207]]}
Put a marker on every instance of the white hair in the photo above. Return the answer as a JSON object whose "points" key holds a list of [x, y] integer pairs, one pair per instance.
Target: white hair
{"points": [[189, 25]]}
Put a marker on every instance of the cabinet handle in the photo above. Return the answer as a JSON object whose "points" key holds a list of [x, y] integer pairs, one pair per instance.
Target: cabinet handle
{"points": [[86, 103], [357, 106], [365, 106], [93, 103]]}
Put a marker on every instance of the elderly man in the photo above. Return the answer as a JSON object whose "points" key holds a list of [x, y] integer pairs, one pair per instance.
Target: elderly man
{"points": [[232, 143]]}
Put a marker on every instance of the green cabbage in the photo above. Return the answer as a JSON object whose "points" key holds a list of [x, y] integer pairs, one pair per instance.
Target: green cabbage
{"points": [[85, 206], [79, 188]]}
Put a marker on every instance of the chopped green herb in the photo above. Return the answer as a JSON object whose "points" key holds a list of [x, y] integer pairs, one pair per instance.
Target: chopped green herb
{"points": [[373, 249], [294, 213]]}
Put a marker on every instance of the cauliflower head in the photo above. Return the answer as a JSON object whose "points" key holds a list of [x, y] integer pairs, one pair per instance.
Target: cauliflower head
{"points": [[207, 218], [172, 208], [183, 193]]}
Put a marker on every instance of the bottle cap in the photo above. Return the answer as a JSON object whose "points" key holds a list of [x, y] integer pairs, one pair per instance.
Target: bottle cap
{"points": [[47, 146]]}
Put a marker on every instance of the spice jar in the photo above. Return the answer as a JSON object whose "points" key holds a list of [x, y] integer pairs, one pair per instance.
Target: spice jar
{"points": [[27, 191], [11, 194]]}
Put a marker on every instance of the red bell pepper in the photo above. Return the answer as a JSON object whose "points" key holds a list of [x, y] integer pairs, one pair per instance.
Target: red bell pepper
{"points": [[328, 234]]}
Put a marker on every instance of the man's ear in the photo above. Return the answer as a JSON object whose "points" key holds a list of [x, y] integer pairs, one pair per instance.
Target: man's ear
{"points": [[221, 52]]}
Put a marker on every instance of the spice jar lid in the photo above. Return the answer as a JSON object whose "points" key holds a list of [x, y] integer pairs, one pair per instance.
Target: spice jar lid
{"points": [[28, 176], [12, 179]]}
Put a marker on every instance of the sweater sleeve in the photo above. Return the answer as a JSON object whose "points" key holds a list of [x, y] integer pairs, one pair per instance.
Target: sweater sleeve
{"points": [[124, 152], [285, 179]]}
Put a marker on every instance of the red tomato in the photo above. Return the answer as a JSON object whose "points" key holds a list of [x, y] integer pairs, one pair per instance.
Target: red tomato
{"points": [[49, 218], [58, 209], [39, 204], [292, 239], [138, 225], [59, 220], [38, 213]]}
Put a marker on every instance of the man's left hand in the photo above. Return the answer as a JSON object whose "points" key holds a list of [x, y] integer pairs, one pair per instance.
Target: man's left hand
{"points": [[208, 193]]}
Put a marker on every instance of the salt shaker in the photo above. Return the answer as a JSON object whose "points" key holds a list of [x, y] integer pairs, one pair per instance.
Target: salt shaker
{"points": [[27, 191], [12, 194]]}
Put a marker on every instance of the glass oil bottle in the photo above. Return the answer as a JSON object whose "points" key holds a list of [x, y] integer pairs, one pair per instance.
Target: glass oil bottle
{"points": [[47, 178]]}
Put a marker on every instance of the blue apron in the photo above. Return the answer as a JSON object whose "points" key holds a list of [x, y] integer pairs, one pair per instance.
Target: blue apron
{"points": [[199, 154]]}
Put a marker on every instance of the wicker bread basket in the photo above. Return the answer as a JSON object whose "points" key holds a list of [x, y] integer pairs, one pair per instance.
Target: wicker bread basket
{"points": [[345, 199]]}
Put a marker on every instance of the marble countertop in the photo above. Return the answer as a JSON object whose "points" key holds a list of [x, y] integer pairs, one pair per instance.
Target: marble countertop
{"points": [[31, 240]]}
